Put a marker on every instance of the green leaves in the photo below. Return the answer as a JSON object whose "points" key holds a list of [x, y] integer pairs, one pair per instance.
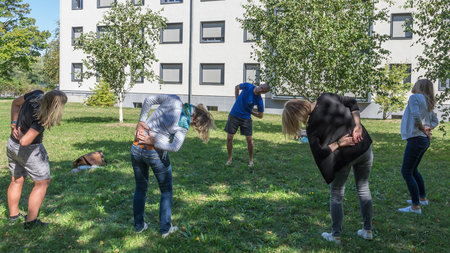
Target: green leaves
{"points": [[310, 47]]}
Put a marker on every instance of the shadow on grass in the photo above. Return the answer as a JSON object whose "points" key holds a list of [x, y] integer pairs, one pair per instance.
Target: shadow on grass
{"points": [[91, 119]]}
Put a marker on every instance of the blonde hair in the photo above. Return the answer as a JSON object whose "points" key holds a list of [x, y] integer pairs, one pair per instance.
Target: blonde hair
{"points": [[295, 113], [51, 105], [202, 121], [425, 87]]}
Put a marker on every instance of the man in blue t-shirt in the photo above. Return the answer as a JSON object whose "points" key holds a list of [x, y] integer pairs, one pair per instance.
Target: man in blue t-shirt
{"points": [[240, 115]]}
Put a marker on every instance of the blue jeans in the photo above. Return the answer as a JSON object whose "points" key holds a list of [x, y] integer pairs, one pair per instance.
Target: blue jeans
{"points": [[142, 159], [415, 148]]}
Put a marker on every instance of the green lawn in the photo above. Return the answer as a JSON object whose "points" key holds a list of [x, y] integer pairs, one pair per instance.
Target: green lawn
{"points": [[280, 206]]}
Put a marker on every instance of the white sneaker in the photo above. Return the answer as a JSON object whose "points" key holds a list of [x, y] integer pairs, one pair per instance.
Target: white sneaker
{"points": [[365, 234], [172, 229], [409, 209], [142, 229], [425, 203], [329, 237]]}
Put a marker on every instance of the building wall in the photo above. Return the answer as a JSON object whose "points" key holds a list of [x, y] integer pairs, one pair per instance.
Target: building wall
{"points": [[233, 53]]}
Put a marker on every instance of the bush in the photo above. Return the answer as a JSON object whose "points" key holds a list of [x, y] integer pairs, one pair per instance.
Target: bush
{"points": [[102, 96]]}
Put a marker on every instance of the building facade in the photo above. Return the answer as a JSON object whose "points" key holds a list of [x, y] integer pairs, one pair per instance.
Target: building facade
{"points": [[212, 57]]}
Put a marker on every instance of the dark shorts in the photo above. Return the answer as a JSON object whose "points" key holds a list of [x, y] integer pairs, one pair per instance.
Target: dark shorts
{"points": [[234, 122]]}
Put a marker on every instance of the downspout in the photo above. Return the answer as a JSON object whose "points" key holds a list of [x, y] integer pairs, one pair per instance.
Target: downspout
{"points": [[190, 53]]}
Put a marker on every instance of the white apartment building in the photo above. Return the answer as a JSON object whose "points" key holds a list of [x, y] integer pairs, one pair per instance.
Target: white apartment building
{"points": [[211, 58]]}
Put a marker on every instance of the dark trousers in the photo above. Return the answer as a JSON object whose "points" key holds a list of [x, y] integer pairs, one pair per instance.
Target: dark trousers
{"points": [[141, 160], [414, 151]]}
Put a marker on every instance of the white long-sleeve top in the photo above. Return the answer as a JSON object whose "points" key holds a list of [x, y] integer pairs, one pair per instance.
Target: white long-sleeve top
{"points": [[163, 122], [416, 112]]}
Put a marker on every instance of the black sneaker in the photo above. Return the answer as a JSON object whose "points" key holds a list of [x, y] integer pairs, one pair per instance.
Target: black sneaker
{"points": [[13, 219], [34, 223]]}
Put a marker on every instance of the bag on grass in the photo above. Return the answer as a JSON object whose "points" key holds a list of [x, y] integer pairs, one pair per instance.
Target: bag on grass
{"points": [[94, 158]]}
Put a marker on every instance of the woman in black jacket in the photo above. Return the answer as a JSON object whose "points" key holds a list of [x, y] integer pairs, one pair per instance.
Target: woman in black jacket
{"points": [[338, 142]]}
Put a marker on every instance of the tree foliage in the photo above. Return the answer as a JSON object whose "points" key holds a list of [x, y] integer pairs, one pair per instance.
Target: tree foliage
{"points": [[101, 96], [51, 61], [20, 39], [125, 51], [309, 47], [392, 92], [432, 26]]}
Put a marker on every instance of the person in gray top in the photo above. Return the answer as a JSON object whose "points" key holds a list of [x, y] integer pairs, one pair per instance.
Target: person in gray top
{"points": [[417, 122], [164, 130]]}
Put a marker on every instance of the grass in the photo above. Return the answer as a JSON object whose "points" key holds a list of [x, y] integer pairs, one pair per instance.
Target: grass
{"points": [[281, 206]]}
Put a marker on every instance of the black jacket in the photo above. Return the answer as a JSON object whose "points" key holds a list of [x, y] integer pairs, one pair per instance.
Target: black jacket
{"points": [[328, 122]]}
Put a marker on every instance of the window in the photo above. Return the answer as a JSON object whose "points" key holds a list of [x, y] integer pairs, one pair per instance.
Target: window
{"points": [[212, 31], [105, 3], [140, 78], [76, 33], [408, 70], [252, 73], [77, 4], [212, 74], [171, 1], [171, 73], [444, 85], [101, 30], [139, 2], [77, 72], [173, 33], [212, 108], [137, 104], [400, 24], [248, 36]]}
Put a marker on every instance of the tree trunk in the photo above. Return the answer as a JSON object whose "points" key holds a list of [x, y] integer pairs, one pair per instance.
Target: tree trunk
{"points": [[120, 107]]}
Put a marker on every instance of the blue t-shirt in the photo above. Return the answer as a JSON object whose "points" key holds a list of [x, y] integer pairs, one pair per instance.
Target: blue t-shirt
{"points": [[245, 102]]}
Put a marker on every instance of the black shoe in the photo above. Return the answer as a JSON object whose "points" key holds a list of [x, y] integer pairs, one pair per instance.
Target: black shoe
{"points": [[34, 223], [15, 218]]}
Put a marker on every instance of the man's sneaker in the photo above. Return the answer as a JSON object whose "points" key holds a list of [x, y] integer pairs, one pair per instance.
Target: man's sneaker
{"points": [[172, 229], [424, 202], [34, 223], [365, 234], [409, 209], [329, 237], [141, 229], [15, 218]]}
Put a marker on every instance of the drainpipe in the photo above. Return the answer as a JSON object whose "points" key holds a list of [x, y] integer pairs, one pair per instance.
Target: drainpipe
{"points": [[190, 53]]}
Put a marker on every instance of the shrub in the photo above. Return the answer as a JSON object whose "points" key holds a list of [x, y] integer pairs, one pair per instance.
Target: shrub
{"points": [[101, 96]]}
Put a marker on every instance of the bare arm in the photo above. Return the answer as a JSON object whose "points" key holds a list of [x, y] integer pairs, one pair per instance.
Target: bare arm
{"points": [[344, 141], [28, 138], [357, 131], [15, 108], [236, 91], [257, 114]]}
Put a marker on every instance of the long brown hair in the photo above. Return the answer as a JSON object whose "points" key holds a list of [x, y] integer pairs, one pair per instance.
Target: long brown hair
{"points": [[295, 113], [425, 87], [202, 121], [51, 107]]}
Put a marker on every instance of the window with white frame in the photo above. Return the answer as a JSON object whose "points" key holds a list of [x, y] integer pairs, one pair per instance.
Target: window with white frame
{"points": [[212, 31], [173, 33], [171, 1], [400, 26], [77, 72], [101, 30], [212, 74], [105, 3], [408, 70], [76, 33], [138, 2], [171, 73], [252, 73], [442, 85], [77, 4]]}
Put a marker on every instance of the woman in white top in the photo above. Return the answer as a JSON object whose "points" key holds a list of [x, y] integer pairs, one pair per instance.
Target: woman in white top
{"points": [[417, 122], [164, 130]]}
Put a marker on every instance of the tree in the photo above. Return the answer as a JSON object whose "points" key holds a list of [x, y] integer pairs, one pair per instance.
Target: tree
{"points": [[102, 96], [392, 91], [125, 50], [20, 39], [51, 62], [309, 47], [432, 26]]}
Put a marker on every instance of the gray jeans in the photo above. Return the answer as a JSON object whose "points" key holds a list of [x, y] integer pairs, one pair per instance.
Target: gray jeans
{"points": [[361, 170]]}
